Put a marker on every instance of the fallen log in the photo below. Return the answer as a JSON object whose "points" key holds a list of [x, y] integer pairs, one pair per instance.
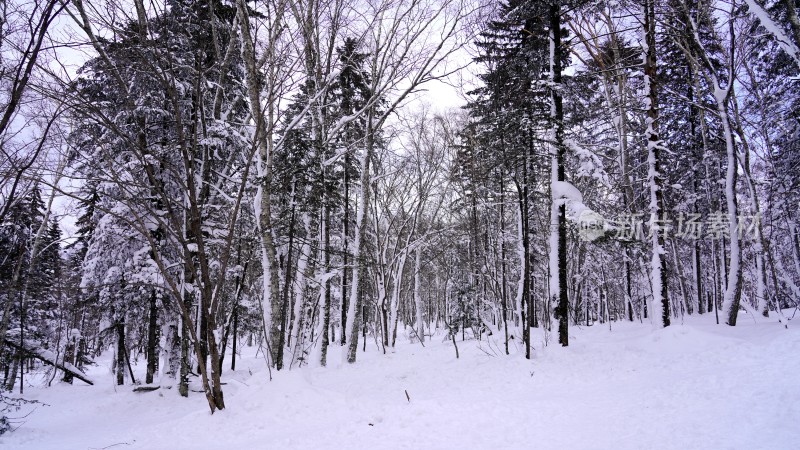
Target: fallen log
{"points": [[35, 350], [146, 388]]}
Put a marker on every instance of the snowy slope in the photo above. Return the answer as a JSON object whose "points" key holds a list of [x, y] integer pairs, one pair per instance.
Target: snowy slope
{"points": [[695, 385]]}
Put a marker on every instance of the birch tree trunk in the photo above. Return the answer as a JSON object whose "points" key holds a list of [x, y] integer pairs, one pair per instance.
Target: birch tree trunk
{"points": [[262, 204], [722, 93], [417, 294], [398, 66], [355, 309]]}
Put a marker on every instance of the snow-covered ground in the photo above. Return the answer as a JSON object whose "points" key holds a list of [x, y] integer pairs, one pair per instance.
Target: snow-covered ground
{"points": [[692, 385]]}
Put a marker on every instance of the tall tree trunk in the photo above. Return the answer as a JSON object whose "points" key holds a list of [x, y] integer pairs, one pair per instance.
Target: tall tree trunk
{"points": [[394, 313], [558, 250], [417, 294], [628, 285], [346, 246], [262, 203], [281, 343], [69, 357], [120, 364], [698, 144], [355, 308], [654, 146], [722, 93], [525, 278], [183, 382], [152, 336], [733, 289], [305, 271], [759, 249], [234, 317], [216, 399], [21, 354], [326, 312], [503, 293], [235, 335]]}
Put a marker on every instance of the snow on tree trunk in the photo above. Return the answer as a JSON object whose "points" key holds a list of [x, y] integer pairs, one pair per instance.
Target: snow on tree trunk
{"points": [[733, 288], [395, 305], [558, 219], [417, 294], [791, 48], [759, 247], [325, 295], [355, 310], [304, 272], [722, 95], [271, 300], [658, 274], [794, 23], [555, 286], [521, 254]]}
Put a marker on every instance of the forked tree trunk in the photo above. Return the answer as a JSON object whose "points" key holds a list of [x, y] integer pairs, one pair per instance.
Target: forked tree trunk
{"points": [[355, 308]]}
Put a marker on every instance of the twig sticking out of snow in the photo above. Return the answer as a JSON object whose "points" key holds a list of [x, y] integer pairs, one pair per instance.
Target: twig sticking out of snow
{"points": [[112, 445]]}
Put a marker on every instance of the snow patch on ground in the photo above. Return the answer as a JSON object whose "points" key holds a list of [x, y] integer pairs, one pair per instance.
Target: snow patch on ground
{"points": [[692, 385]]}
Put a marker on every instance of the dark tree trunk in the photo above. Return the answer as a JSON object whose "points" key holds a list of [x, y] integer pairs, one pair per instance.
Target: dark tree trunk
{"points": [[130, 368], [346, 245], [628, 290], [285, 302], [364, 328], [120, 353], [655, 145], [21, 344], [69, 356], [235, 333], [234, 310], [183, 382], [203, 360], [503, 294], [558, 119], [524, 309], [699, 151], [152, 336]]}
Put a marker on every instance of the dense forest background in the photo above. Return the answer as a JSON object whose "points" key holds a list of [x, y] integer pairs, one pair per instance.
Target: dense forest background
{"points": [[274, 173]]}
